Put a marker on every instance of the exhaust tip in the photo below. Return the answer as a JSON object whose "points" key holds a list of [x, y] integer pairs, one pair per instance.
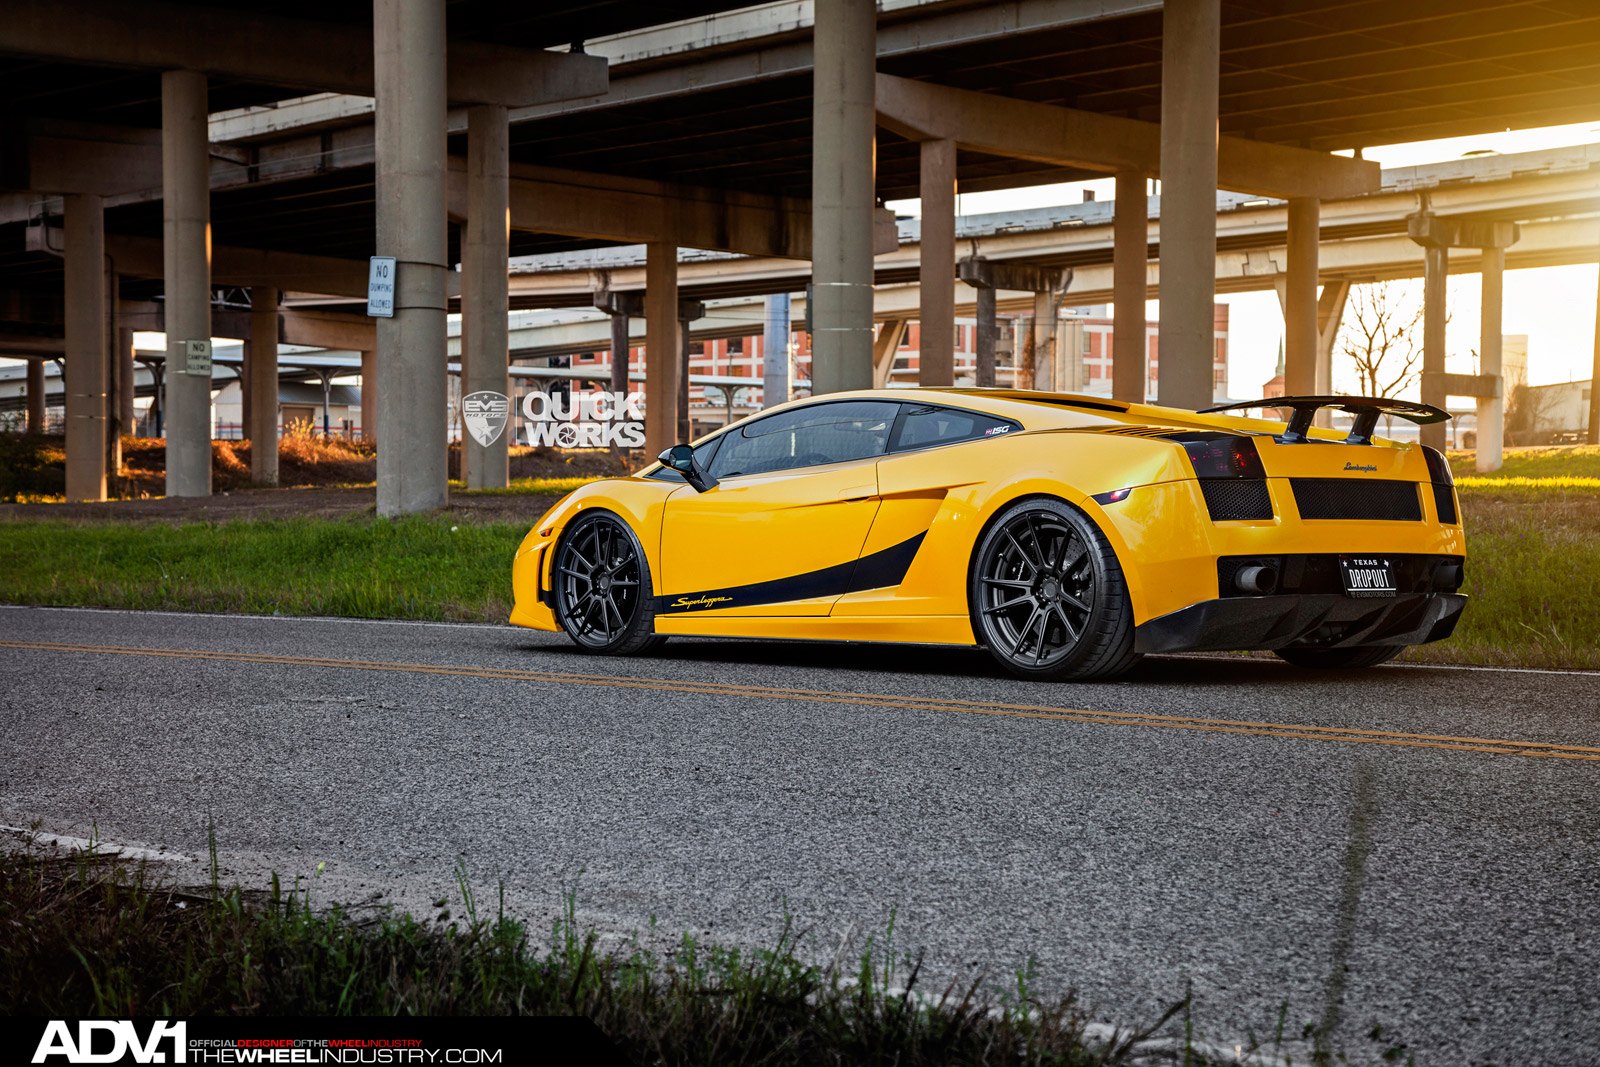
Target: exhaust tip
{"points": [[1256, 578]]}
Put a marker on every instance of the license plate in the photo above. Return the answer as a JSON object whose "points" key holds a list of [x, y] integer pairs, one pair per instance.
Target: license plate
{"points": [[1367, 576]]}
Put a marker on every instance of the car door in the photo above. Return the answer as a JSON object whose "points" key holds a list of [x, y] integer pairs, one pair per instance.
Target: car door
{"points": [[780, 533], [915, 559]]}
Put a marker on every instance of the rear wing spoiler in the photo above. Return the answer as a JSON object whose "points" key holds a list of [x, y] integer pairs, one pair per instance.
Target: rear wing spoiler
{"points": [[1366, 409]]}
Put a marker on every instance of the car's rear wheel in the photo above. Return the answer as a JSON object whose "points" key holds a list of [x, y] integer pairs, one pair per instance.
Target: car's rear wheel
{"points": [[1328, 659], [1048, 596], [603, 597]]}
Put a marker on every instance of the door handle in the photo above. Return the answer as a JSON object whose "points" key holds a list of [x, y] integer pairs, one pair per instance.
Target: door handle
{"points": [[859, 492]]}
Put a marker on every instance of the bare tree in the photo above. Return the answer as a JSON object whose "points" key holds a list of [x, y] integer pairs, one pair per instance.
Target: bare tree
{"points": [[1526, 410], [1382, 336]]}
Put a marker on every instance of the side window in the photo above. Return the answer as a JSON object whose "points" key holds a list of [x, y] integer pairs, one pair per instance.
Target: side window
{"points": [[925, 426], [829, 432]]}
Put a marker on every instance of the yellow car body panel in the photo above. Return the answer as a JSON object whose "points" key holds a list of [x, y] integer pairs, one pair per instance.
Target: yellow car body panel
{"points": [[818, 515], [917, 516]]}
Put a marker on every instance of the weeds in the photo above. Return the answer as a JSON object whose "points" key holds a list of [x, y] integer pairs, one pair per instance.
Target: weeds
{"points": [[95, 937]]}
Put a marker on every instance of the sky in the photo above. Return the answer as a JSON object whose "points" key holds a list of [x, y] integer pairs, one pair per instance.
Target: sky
{"points": [[1553, 306]]}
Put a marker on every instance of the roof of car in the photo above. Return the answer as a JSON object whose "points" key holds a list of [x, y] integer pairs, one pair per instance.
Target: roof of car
{"points": [[1034, 409]]}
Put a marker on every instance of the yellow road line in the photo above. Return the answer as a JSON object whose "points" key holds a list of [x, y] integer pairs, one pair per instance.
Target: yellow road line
{"points": [[1246, 727]]}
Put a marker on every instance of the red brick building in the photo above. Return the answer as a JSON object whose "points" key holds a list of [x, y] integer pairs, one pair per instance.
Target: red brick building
{"points": [[1083, 345]]}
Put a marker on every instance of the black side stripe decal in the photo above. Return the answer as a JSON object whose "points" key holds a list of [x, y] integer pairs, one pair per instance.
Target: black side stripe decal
{"points": [[879, 570]]}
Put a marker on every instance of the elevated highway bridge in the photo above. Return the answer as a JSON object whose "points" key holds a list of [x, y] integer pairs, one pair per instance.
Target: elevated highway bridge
{"points": [[148, 162]]}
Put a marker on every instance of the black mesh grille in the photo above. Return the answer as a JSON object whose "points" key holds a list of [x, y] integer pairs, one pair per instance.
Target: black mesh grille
{"points": [[1444, 502], [1236, 498], [1348, 498]]}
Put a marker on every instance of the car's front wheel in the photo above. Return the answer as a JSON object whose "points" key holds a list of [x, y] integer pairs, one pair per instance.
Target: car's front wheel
{"points": [[1329, 659], [603, 596], [1048, 596]]}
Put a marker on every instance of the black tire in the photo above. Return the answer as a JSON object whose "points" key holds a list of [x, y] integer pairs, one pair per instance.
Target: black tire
{"points": [[603, 597], [1334, 659], [1048, 597]]}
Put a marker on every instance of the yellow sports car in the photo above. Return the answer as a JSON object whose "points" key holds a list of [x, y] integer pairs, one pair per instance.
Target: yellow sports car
{"points": [[1066, 534]]}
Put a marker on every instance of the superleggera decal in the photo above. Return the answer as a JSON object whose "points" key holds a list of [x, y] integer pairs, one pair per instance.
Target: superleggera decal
{"points": [[879, 570], [699, 601]]}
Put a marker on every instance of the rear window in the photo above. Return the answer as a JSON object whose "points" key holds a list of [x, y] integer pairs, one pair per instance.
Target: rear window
{"points": [[925, 426]]}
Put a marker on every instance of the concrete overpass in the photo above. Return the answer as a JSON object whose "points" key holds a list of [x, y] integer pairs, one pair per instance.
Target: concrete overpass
{"points": [[772, 131]]}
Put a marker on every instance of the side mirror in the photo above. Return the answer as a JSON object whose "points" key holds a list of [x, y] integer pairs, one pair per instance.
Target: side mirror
{"points": [[681, 459]]}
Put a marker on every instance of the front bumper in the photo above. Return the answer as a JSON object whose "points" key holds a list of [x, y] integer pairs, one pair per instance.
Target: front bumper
{"points": [[1323, 620]]}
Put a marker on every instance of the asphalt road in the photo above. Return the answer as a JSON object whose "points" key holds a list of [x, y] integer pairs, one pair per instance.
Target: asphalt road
{"points": [[1407, 847]]}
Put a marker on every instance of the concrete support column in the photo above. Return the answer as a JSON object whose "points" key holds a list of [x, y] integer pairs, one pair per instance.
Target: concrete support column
{"points": [[936, 261], [843, 165], [1491, 409], [84, 367], [1130, 265], [186, 245], [127, 380], [775, 351], [1594, 379], [983, 376], [409, 61], [246, 399], [1045, 309], [369, 395], [685, 427], [661, 347], [112, 327], [1330, 314], [620, 348], [262, 386], [1300, 297], [158, 404], [1190, 45], [1435, 273], [36, 396], [485, 295]]}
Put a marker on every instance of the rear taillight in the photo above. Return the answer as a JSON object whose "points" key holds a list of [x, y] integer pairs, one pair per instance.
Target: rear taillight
{"points": [[1232, 477], [1438, 467], [1223, 456], [1444, 493]]}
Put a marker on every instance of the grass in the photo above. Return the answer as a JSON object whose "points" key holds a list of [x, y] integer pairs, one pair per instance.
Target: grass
{"points": [[412, 568], [1550, 461], [91, 937], [1533, 571]]}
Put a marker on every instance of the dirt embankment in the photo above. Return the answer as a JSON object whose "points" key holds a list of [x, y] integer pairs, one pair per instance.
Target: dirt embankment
{"points": [[317, 477]]}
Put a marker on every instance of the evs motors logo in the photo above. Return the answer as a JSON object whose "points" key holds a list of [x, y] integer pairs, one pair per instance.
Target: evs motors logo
{"points": [[124, 1041], [485, 414], [587, 419]]}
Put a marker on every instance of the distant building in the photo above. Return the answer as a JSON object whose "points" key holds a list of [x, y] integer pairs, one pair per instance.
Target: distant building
{"points": [[298, 403], [1549, 414], [1278, 384], [1083, 361]]}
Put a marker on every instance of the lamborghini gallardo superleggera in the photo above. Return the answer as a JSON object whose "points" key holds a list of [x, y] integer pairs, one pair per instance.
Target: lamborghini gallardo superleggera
{"points": [[1068, 535]]}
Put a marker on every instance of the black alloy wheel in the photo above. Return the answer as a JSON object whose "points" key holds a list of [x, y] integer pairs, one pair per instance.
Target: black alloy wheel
{"points": [[602, 587], [1048, 596]]}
